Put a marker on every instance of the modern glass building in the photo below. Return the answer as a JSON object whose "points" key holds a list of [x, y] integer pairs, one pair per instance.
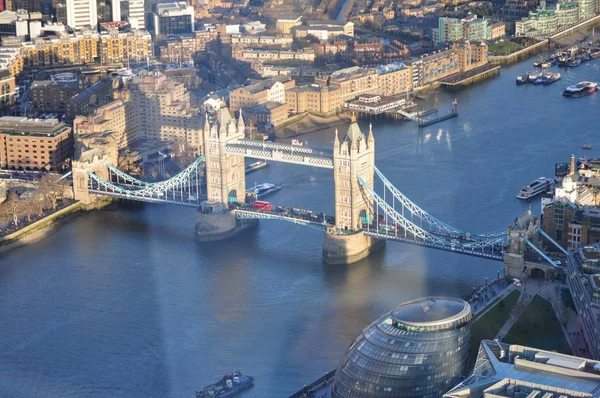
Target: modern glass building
{"points": [[415, 350]]}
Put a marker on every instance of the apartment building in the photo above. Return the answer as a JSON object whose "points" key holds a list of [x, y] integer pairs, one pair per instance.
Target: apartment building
{"points": [[285, 24], [34, 144], [91, 98], [272, 55], [351, 82], [394, 78], [185, 47], [51, 94], [313, 98], [260, 91], [324, 30]]}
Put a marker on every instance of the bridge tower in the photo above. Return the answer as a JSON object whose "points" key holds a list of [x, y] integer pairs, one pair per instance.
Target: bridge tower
{"points": [[225, 174], [353, 156], [515, 263], [225, 179], [94, 161]]}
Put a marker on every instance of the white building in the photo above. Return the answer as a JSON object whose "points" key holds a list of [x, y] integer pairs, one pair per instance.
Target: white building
{"points": [[173, 18], [82, 14], [136, 16]]}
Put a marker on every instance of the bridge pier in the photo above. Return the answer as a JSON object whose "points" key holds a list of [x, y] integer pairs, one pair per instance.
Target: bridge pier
{"points": [[349, 248], [211, 227]]}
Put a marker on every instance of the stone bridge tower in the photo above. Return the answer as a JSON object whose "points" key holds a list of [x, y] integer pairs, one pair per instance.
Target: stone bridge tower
{"points": [[225, 173], [525, 226], [353, 156], [94, 161]]}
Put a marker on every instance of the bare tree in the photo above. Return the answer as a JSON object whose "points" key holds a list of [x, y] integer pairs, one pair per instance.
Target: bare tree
{"points": [[5, 217], [51, 188], [15, 207]]}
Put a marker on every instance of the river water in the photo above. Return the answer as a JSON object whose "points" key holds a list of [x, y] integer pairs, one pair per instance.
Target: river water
{"points": [[123, 302]]}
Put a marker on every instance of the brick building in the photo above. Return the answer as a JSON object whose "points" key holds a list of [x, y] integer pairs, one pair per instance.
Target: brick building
{"points": [[34, 144], [313, 98]]}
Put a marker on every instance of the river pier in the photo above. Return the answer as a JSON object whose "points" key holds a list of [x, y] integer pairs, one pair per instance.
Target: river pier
{"points": [[429, 122]]}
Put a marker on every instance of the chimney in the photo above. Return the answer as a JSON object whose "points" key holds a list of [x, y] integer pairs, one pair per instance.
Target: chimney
{"points": [[572, 170]]}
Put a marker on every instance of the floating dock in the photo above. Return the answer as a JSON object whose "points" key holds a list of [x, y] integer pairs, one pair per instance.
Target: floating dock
{"points": [[463, 79], [429, 122]]}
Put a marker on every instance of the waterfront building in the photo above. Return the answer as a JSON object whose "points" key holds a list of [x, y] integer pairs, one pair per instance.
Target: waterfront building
{"points": [[416, 350], [173, 18], [509, 370], [260, 91], [545, 21], [313, 98], [394, 78], [351, 82], [437, 66], [285, 24], [266, 115], [470, 55], [34, 144], [374, 104]]}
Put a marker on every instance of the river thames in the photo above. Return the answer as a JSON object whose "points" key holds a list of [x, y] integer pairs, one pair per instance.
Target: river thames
{"points": [[123, 302]]}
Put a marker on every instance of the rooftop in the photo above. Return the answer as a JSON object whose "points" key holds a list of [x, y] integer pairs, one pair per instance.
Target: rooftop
{"points": [[19, 125], [528, 369], [430, 310]]}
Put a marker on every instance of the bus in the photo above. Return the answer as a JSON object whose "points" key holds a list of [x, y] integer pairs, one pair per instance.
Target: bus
{"points": [[260, 205]]}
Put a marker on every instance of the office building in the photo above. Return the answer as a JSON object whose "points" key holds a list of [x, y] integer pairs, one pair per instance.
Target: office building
{"points": [[34, 144], [509, 370], [173, 19], [82, 14], [416, 350]]}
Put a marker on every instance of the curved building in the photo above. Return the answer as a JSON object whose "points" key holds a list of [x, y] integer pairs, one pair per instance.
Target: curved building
{"points": [[415, 350]]}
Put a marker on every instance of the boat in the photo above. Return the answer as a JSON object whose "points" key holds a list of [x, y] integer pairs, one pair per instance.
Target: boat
{"points": [[297, 142], [574, 62], [537, 64], [561, 170], [587, 147], [262, 190], [547, 65], [532, 76], [595, 54], [231, 384], [261, 164], [550, 78], [522, 79], [563, 60], [539, 80], [581, 89], [536, 187]]}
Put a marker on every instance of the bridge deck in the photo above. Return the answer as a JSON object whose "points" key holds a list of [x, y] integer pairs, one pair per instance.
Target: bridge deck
{"points": [[282, 153]]}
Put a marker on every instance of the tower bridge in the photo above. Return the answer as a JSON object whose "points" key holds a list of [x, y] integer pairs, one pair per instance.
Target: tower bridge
{"points": [[364, 219]]}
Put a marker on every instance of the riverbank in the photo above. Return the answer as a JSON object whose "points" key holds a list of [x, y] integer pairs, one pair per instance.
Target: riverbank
{"points": [[42, 227]]}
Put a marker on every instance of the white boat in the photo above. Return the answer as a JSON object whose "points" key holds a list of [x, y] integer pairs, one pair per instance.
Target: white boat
{"points": [[536, 187], [262, 190]]}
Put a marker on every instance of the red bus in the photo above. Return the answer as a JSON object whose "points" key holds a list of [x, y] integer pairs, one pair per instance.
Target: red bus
{"points": [[266, 206]]}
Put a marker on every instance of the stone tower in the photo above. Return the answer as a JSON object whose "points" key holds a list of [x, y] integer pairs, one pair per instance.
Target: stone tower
{"points": [[354, 155], [225, 173]]}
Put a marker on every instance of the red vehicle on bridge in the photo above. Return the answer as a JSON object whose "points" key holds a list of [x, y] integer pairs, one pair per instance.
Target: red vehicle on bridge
{"points": [[260, 205]]}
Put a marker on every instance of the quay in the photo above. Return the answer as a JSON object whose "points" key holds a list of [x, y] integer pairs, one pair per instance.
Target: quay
{"points": [[463, 79], [429, 122]]}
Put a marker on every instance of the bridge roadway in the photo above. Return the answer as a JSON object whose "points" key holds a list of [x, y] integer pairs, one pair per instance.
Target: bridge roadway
{"points": [[295, 215], [285, 153], [179, 199]]}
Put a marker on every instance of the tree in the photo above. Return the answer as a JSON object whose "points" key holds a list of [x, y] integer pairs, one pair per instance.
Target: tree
{"points": [[14, 207], [51, 188]]}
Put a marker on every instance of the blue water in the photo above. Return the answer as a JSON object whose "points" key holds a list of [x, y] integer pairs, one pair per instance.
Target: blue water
{"points": [[123, 302]]}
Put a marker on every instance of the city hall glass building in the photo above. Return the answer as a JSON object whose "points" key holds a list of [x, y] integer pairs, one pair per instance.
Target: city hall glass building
{"points": [[415, 350]]}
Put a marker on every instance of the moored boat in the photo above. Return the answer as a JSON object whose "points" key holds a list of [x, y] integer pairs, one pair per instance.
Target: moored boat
{"points": [[550, 78], [547, 65], [574, 62], [563, 60], [522, 79], [231, 384], [535, 188], [533, 75], [587, 147], [580, 89]]}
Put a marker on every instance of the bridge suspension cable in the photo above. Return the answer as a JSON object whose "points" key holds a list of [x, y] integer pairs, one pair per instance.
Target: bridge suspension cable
{"points": [[435, 224]]}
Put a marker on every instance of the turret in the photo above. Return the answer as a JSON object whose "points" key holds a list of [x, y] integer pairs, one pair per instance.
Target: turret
{"points": [[370, 139], [240, 123], [572, 169]]}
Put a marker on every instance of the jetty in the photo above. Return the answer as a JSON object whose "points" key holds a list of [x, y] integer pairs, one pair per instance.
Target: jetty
{"points": [[429, 122]]}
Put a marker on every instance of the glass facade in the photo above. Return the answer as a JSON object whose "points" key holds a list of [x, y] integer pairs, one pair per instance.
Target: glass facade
{"points": [[415, 350], [171, 25]]}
